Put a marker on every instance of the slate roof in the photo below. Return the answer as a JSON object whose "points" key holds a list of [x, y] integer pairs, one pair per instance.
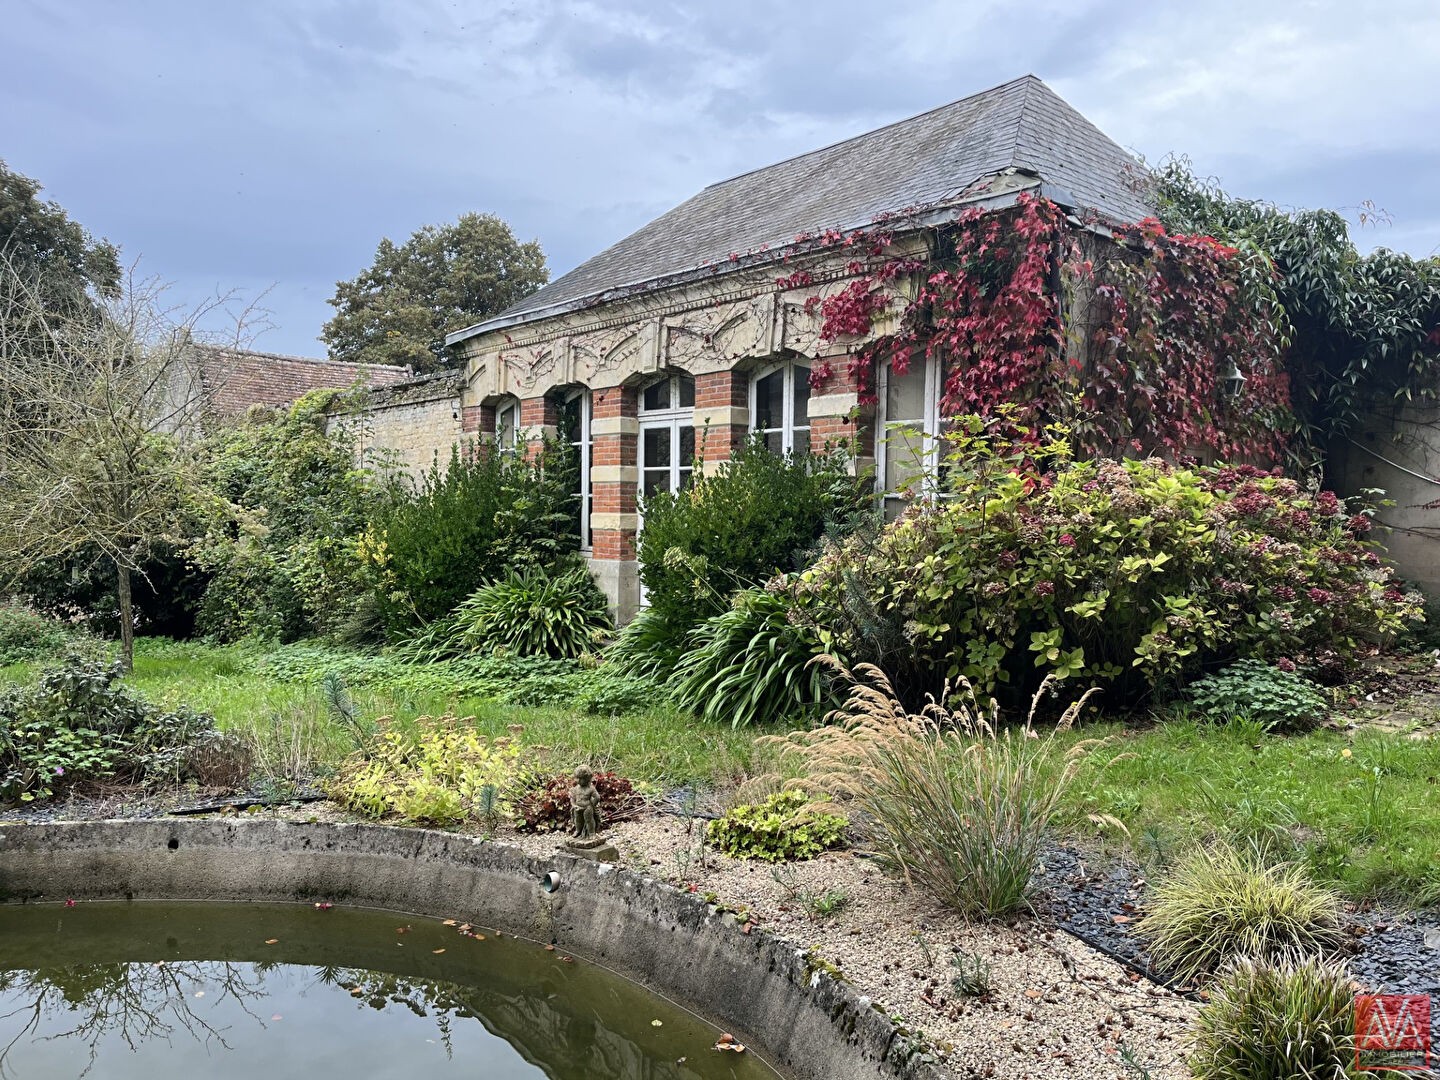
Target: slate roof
{"points": [[942, 157]]}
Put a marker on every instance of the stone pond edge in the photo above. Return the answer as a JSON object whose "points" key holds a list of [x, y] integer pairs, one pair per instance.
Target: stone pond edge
{"points": [[791, 1007]]}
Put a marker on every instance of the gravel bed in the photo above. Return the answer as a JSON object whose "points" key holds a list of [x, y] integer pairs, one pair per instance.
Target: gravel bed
{"points": [[1056, 1008]]}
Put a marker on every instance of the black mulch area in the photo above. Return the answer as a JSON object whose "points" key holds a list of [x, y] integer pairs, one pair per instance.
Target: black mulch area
{"points": [[140, 803], [1098, 898]]}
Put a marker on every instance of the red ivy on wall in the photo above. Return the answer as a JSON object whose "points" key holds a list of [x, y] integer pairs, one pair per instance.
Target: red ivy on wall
{"points": [[1128, 342]]}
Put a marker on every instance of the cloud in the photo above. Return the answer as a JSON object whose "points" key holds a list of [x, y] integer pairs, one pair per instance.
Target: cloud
{"points": [[277, 141]]}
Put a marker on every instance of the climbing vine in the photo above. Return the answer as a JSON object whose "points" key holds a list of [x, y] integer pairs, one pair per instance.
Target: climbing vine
{"points": [[1150, 343]]}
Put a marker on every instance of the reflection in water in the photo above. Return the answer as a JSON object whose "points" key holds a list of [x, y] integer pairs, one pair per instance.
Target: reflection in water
{"points": [[269, 991]]}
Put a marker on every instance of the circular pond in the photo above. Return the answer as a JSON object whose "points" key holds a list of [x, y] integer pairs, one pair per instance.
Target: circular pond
{"points": [[158, 990]]}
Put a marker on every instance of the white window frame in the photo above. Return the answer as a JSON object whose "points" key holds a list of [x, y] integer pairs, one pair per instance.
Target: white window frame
{"points": [[674, 418], [930, 429], [583, 448], [787, 430], [510, 406]]}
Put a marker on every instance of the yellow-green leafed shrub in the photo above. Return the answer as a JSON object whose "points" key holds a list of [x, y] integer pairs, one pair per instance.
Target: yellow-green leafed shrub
{"points": [[1220, 903], [1278, 1019], [439, 772], [781, 828]]}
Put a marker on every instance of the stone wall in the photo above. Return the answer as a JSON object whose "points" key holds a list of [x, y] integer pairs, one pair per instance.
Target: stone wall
{"points": [[416, 421], [1397, 450]]}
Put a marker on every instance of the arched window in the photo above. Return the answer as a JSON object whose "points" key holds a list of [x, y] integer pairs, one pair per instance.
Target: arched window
{"points": [[507, 425], [907, 444], [574, 429], [667, 434], [780, 406]]}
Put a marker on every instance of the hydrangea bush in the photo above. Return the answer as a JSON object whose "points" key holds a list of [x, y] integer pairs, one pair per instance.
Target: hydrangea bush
{"points": [[1130, 574]]}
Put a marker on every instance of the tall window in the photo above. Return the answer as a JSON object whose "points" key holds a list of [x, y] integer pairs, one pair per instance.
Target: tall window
{"points": [[575, 430], [907, 443], [667, 434], [507, 426], [780, 407]]}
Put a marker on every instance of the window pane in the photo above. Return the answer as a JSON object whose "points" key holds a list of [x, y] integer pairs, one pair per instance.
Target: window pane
{"points": [[774, 442], [687, 446], [505, 427], [800, 413], [656, 480], [656, 449], [687, 392], [800, 441], [904, 456], [569, 420], [769, 401], [657, 396], [905, 394]]}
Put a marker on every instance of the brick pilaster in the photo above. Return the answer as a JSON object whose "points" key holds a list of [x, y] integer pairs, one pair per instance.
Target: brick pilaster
{"points": [[722, 414]]}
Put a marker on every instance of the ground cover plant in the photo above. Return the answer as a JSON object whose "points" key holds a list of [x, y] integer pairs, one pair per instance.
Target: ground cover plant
{"points": [[1257, 691], [781, 828], [75, 724], [544, 805]]}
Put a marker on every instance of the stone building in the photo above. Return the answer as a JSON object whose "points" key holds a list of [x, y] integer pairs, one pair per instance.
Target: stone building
{"points": [[675, 344]]}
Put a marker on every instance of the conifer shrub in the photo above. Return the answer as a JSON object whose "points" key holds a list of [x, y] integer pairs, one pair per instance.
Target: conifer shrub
{"points": [[466, 526]]}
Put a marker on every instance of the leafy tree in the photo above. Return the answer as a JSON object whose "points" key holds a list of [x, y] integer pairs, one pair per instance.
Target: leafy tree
{"points": [[444, 277], [1363, 329], [41, 242], [98, 414]]}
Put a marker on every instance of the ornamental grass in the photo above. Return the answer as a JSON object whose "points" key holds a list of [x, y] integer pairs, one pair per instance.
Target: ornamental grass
{"points": [[960, 803]]}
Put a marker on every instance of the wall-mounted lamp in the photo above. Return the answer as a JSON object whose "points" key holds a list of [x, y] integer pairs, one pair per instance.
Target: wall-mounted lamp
{"points": [[1233, 382]]}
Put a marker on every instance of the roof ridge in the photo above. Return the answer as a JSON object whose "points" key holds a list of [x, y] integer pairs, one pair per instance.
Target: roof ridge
{"points": [[237, 351], [875, 131]]}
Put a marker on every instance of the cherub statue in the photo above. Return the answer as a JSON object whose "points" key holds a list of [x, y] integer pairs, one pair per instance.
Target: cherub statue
{"points": [[584, 805]]}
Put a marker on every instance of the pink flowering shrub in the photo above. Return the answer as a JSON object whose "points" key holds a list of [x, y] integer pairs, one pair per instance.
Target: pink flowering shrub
{"points": [[1129, 574]]}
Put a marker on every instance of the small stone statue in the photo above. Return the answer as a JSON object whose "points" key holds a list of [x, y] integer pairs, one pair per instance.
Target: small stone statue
{"points": [[585, 821], [584, 805]]}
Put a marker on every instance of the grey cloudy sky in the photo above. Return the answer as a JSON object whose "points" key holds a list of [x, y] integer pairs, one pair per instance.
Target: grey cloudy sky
{"points": [[275, 141]]}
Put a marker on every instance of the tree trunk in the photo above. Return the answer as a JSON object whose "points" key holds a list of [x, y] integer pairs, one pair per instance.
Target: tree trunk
{"points": [[127, 618]]}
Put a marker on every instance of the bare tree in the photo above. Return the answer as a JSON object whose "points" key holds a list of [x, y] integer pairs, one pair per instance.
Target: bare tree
{"points": [[100, 418]]}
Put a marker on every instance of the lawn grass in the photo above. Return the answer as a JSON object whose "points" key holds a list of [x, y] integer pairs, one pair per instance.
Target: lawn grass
{"points": [[292, 721], [1358, 808]]}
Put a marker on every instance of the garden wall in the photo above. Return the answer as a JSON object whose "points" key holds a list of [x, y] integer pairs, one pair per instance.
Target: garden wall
{"points": [[808, 1024], [417, 420], [1398, 450]]}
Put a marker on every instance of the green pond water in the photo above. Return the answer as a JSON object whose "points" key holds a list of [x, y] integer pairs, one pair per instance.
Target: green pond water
{"points": [[165, 991]]}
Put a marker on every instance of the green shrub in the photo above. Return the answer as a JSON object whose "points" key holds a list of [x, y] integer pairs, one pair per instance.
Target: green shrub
{"points": [[755, 515], [752, 665], [1133, 574], [75, 725], [535, 612], [1220, 902], [545, 805], [961, 805], [781, 828], [649, 645], [289, 568], [440, 771], [1259, 691], [26, 635], [1278, 1019], [464, 527]]}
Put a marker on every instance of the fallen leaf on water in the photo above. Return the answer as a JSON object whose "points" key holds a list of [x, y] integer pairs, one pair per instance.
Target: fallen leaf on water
{"points": [[402, 929], [323, 907], [478, 937], [725, 1039], [69, 903], [680, 1061], [568, 959], [199, 993], [437, 952], [277, 1016], [549, 948], [657, 1023], [272, 941], [450, 922], [465, 928]]}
